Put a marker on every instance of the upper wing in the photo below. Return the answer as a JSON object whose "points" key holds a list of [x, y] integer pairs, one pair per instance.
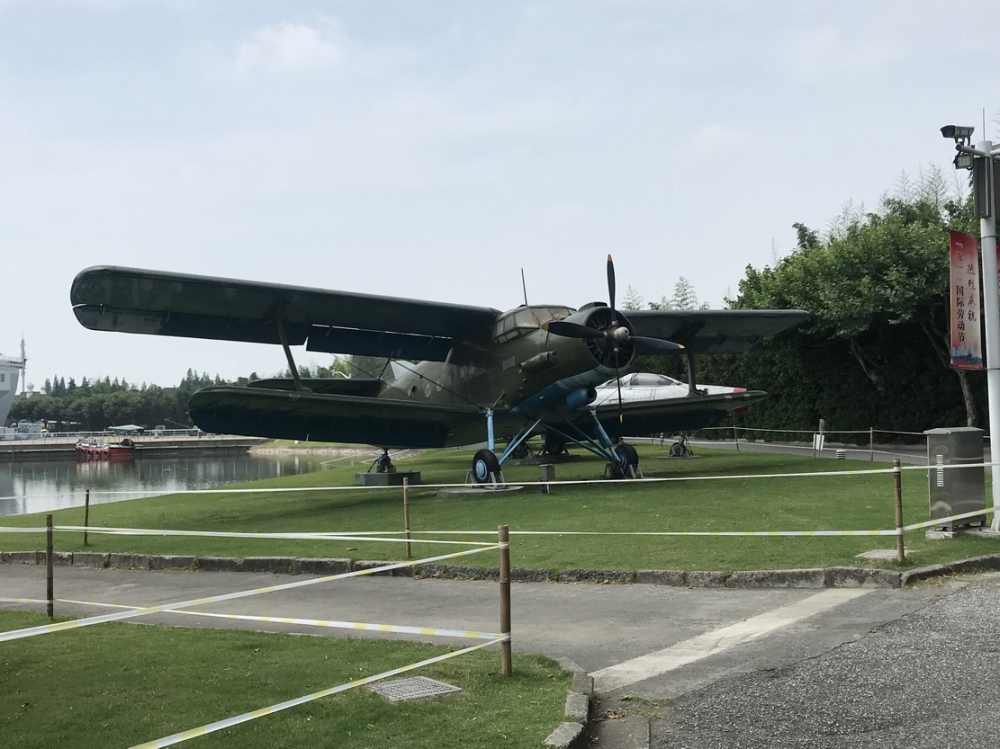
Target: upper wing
{"points": [[717, 331], [131, 300]]}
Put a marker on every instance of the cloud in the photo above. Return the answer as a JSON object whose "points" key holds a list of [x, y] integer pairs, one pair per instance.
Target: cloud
{"points": [[287, 48], [719, 137], [826, 51]]}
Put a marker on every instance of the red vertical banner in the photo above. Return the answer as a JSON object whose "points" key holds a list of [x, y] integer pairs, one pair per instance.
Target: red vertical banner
{"points": [[966, 341]]}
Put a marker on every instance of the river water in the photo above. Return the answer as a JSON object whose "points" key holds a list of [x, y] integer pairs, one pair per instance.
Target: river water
{"points": [[46, 485]]}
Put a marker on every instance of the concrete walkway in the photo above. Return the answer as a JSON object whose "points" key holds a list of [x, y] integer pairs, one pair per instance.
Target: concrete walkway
{"points": [[656, 653]]}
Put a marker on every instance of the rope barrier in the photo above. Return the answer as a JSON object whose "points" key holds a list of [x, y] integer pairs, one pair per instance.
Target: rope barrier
{"points": [[270, 710], [592, 482], [18, 634], [324, 623]]}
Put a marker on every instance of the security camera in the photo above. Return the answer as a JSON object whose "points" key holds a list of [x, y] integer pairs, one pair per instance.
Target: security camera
{"points": [[958, 133]]}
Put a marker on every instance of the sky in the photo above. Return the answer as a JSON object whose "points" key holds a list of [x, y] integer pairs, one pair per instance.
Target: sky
{"points": [[433, 150]]}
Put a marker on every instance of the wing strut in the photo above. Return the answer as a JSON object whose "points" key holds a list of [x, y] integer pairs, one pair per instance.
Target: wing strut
{"points": [[692, 388], [288, 354]]}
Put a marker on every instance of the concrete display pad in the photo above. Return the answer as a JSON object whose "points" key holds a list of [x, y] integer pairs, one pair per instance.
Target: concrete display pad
{"points": [[386, 479]]}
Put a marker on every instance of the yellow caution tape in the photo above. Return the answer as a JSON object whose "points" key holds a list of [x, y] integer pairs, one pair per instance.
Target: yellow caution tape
{"points": [[18, 634], [330, 624], [679, 533], [237, 534], [943, 521], [397, 628], [377, 536], [648, 480], [245, 717]]}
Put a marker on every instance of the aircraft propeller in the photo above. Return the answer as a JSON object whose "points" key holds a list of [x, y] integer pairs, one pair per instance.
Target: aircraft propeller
{"points": [[615, 334]]}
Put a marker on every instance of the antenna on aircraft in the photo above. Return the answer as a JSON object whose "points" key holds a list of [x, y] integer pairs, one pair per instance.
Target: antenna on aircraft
{"points": [[525, 287]]}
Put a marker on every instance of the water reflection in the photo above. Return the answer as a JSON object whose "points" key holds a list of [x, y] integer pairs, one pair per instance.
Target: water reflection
{"points": [[43, 486]]}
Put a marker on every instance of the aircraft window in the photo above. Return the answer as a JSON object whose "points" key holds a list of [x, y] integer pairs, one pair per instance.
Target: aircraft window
{"points": [[515, 323], [548, 314], [646, 380], [525, 319]]}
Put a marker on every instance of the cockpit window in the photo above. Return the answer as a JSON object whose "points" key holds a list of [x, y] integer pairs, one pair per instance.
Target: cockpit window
{"points": [[548, 314], [648, 380], [523, 320]]}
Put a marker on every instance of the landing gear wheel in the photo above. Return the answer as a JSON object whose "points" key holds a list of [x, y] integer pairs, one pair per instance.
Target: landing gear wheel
{"points": [[485, 463], [627, 461], [553, 445]]}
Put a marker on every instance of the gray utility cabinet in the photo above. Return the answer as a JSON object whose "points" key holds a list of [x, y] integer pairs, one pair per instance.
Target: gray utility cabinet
{"points": [[954, 491]]}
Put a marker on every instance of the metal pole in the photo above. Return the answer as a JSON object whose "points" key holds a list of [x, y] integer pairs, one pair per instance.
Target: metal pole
{"points": [[898, 482], [991, 311], [49, 587], [86, 516], [406, 515], [871, 444], [503, 536]]}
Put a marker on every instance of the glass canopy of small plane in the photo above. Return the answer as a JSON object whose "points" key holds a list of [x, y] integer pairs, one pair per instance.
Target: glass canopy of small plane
{"points": [[523, 320], [648, 380]]}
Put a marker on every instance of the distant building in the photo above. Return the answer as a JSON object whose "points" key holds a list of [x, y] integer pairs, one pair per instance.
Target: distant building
{"points": [[11, 369]]}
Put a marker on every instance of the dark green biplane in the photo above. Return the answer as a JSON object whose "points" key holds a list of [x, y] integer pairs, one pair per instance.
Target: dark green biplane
{"points": [[439, 374]]}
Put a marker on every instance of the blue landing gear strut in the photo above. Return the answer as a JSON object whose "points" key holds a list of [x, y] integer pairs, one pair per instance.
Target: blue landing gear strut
{"points": [[623, 461], [485, 464]]}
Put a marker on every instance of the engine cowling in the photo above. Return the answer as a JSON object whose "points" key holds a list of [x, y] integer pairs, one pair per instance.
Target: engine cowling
{"points": [[615, 349]]}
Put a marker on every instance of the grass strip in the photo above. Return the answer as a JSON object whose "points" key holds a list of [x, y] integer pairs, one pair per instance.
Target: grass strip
{"points": [[737, 502], [119, 685]]}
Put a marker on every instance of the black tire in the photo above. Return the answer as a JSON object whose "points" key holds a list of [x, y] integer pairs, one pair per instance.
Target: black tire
{"points": [[628, 458], [485, 463], [553, 445], [680, 450]]}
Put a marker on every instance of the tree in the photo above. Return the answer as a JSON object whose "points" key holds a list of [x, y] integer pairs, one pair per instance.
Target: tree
{"points": [[684, 298], [632, 300], [876, 286]]}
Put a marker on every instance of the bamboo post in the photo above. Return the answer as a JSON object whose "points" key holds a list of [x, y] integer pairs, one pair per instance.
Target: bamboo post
{"points": [[503, 536], [736, 436], [86, 516], [49, 588], [406, 515], [897, 480]]}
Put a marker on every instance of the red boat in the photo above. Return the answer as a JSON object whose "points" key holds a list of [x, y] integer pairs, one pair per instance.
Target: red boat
{"points": [[125, 448]]}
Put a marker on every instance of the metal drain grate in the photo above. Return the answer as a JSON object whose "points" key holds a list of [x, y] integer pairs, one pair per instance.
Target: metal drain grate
{"points": [[411, 689], [879, 554]]}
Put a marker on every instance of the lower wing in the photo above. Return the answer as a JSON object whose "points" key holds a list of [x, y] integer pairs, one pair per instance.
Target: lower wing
{"points": [[300, 415]]}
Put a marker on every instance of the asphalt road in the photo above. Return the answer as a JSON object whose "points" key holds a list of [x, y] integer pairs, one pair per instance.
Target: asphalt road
{"points": [[712, 667], [906, 454]]}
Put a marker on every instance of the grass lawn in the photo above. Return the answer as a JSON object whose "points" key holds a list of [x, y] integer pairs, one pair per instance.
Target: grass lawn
{"points": [[118, 685], [737, 502]]}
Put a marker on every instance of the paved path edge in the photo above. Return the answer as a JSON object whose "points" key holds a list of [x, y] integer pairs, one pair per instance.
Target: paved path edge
{"points": [[819, 577]]}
